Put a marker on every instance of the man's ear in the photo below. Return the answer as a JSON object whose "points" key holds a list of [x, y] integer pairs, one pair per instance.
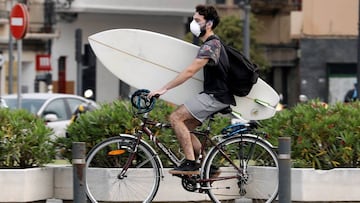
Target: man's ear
{"points": [[209, 23]]}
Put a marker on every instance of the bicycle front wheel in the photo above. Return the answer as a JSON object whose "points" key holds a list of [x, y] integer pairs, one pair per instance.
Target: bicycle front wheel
{"points": [[250, 171], [118, 169]]}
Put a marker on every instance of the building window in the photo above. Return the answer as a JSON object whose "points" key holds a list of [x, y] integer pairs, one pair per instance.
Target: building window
{"points": [[236, 2]]}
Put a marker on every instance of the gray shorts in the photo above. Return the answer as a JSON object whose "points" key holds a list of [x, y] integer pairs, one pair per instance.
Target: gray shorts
{"points": [[203, 105]]}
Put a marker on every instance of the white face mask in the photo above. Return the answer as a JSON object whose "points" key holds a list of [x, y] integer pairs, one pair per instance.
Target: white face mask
{"points": [[196, 29]]}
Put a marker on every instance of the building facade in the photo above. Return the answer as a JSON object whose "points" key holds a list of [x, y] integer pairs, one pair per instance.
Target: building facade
{"points": [[327, 32], [310, 44], [63, 42]]}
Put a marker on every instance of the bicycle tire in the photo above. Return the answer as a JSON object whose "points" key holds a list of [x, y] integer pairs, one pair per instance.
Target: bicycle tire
{"points": [[105, 162], [256, 158]]}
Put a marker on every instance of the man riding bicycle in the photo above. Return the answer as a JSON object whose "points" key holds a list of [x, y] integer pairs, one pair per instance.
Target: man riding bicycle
{"points": [[215, 97]]}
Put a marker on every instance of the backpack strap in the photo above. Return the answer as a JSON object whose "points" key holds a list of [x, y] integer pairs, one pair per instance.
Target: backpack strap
{"points": [[224, 60], [211, 37]]}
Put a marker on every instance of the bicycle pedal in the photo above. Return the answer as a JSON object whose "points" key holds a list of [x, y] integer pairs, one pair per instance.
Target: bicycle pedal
{"points": [[184, 173]]}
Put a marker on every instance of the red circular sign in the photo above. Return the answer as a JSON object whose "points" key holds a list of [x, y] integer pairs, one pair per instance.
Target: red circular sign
{"points": [[19, 21]]}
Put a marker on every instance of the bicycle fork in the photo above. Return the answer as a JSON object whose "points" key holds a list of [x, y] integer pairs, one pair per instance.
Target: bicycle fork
{"points": [[132, 152], [244, 156]]}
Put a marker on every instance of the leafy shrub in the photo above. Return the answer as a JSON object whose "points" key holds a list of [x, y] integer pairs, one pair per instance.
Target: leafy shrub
{"points": [[24, 140], [323, 136], [97, 125], [116, 118]]}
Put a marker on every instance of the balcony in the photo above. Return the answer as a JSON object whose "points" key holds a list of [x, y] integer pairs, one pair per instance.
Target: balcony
{"points": [[154, 7], [274, 6]]}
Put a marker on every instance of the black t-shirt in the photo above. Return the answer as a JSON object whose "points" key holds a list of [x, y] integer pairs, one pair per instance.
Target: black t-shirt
{"points": [[215, 77]]}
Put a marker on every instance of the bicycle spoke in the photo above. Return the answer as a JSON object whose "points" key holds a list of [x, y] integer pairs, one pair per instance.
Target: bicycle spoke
{"points": [[123, 174], [144, 162]]}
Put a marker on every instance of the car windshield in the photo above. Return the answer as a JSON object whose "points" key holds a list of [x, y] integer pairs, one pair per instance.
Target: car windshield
{"points": [[32, 105]]}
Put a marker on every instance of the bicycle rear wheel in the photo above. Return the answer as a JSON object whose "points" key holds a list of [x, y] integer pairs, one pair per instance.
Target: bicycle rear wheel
{"points": [[117, 170], [258, 175]]}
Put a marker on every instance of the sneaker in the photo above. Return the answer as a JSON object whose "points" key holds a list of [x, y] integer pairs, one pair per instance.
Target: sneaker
{"points": [[214, 171], [186, 168]]}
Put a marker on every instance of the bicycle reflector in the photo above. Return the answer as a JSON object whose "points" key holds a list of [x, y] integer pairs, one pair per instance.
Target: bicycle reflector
{"points": [[141, 102], [116, 152]]}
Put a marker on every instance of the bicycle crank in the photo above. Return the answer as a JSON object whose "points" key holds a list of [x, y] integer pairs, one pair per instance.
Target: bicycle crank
{"points": [[189, 183]]}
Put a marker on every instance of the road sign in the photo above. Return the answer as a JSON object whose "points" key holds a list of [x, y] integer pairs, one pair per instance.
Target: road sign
{"points": [[19, 21], [43, 62]]}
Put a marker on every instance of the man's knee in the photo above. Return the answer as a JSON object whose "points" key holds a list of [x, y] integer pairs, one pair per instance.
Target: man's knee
{"points": [[174, 118], [179, 115]]}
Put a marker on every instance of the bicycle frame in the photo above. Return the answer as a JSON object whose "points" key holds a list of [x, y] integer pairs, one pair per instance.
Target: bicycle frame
{"points": [[145, 130]]}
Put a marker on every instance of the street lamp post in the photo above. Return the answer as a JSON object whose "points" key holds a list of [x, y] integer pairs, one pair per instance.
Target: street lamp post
{"points": [[246, 29]]}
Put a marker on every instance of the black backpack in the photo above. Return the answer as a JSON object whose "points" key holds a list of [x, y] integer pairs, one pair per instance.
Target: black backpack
{"points": [[242, 73]]}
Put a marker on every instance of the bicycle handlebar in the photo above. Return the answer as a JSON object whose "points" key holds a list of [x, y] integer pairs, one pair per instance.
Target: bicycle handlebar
{"points": [[141, 102]]}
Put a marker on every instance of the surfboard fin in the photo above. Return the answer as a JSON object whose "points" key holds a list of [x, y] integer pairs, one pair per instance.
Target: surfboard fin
{"points": [[263, 103]]}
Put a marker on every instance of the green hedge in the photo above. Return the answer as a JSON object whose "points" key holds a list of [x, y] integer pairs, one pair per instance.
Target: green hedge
{"points": [[24, 140], [116, 118], [323, 136]]}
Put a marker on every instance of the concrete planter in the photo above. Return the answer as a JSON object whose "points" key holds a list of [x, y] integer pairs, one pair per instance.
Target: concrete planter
{"points": [[307, 185], [341, 184], [170, 187], [26, 185]]}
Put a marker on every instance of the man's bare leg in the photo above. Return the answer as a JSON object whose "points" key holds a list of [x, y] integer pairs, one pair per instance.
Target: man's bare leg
{"points": [[191, 125], [181, 120], [177, 120]]}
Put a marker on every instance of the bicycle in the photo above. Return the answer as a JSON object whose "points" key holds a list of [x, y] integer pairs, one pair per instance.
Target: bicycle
{"points": [[129, 169]]}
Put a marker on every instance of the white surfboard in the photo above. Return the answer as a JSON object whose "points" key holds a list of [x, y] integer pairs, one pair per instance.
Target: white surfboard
{"points": [[149, 60]]}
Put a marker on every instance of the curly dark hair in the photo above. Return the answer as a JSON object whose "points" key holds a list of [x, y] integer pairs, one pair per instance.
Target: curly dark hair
{"points": [[209, 13]]}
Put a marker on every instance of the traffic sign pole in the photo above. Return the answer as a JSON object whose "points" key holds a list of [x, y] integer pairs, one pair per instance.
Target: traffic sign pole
{"points": [[19, 22], [19, 47], [11, 63]]}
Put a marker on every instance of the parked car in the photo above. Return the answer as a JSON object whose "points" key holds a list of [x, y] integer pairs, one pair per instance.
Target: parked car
{"points": [[2, 103], [56, 109]]}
